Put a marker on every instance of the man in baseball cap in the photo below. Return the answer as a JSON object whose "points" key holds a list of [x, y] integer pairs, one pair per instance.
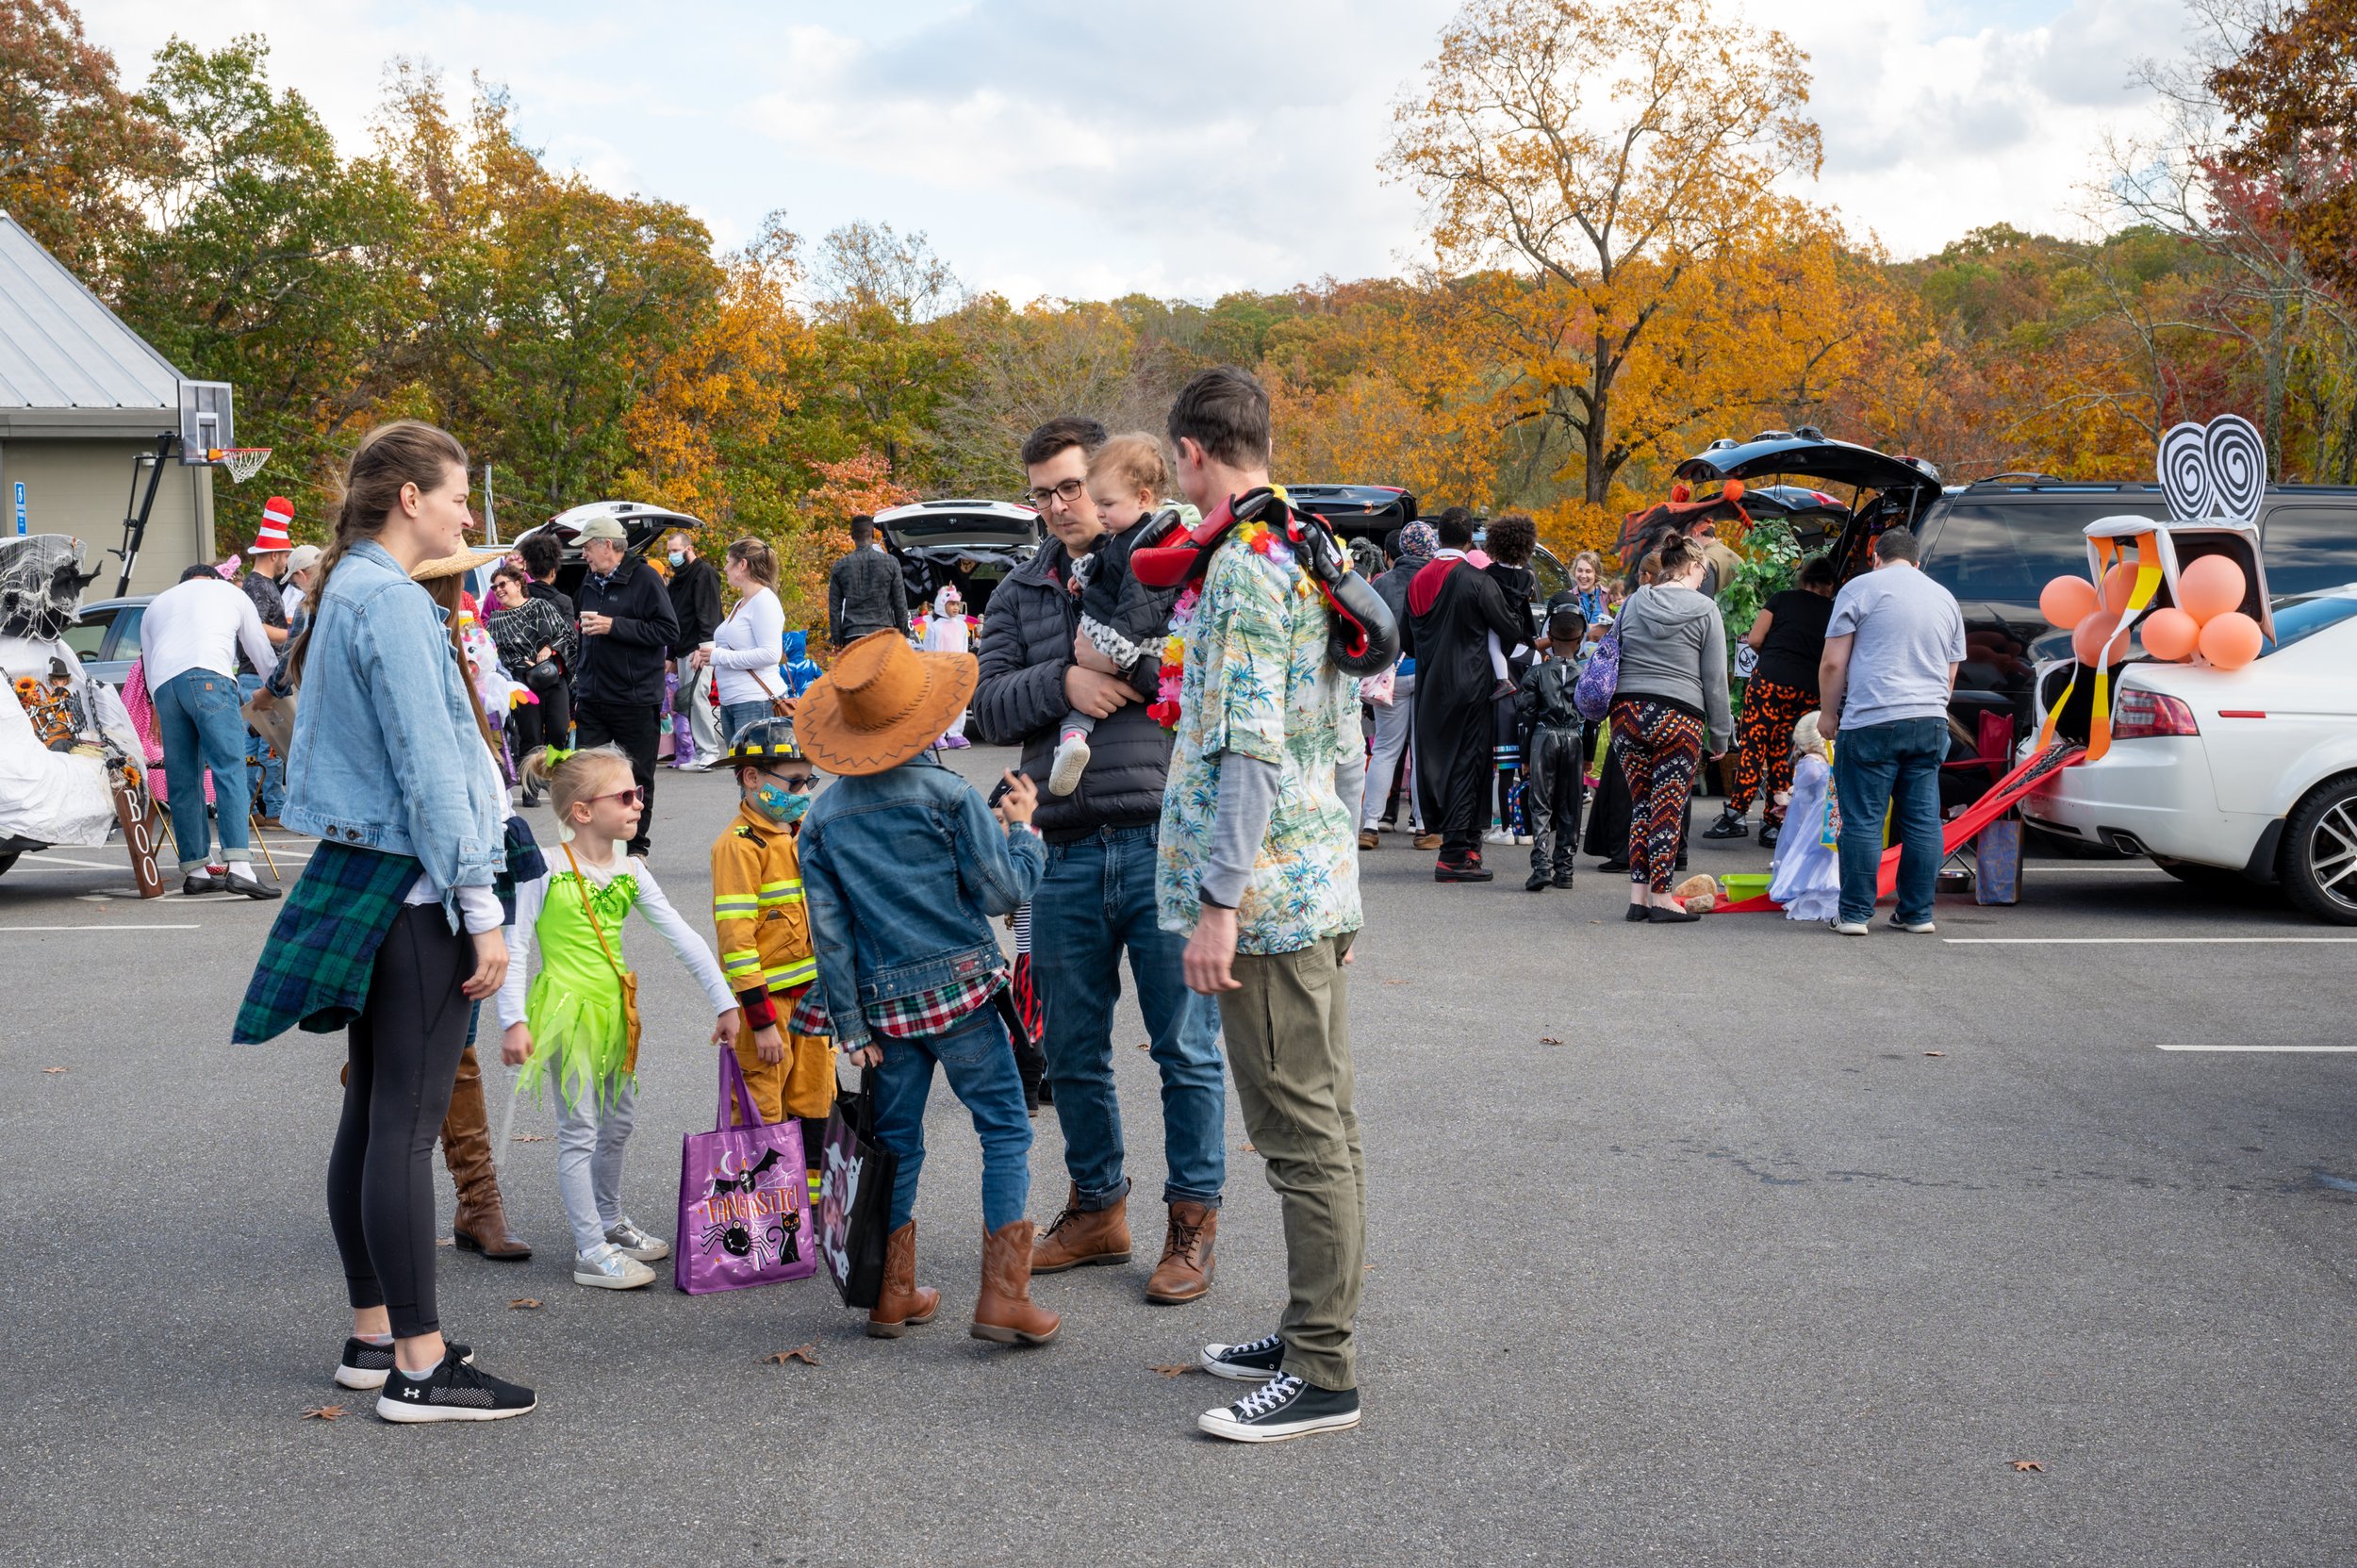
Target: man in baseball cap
{"points": [[266, 570]]}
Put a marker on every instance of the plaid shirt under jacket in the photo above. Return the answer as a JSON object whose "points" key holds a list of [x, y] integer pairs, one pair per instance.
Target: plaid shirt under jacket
{"points": [[932, 1012]]}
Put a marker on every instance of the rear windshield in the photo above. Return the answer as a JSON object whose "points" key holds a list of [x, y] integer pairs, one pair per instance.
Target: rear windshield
{"points": [[2008, 551], [979, 525], [2310, 549]]}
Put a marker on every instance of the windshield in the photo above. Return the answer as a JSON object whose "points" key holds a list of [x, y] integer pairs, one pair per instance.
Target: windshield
{"points": [[1553, 578]]}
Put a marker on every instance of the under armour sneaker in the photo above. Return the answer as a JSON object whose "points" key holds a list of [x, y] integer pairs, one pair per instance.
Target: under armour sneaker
{"points": [[635, 1242], [608, 1267], [365, 1366], [1282, 1408], [1730, 824], [456, 1392], [1254, 1362]]}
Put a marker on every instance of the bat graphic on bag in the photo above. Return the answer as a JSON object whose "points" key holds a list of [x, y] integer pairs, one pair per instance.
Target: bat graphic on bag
{"points": [[746, 1180]]}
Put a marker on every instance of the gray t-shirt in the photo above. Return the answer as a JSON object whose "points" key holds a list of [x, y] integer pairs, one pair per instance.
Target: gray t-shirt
{"points": [[1908, 632]]}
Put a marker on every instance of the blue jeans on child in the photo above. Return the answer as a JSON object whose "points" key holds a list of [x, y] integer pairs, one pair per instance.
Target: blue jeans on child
{"points": [[979, 1061], [1873, 766], [197, 712], [267, 773], [1095, 899], [590, 1142]]}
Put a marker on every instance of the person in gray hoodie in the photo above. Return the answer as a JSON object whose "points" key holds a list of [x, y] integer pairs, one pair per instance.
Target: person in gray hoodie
{"points": [[1670, 702]]}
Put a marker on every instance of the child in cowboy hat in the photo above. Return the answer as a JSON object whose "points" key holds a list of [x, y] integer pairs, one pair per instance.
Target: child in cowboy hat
{"points": [[904, 869]]}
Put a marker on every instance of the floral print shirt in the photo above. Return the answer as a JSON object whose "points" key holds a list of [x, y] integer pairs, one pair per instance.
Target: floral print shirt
{"points": [[1256, 681]]}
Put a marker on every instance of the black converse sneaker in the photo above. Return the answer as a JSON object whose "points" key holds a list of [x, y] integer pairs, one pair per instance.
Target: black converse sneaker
{"points": [[1282, 1408], [1253, 1363], [366, 1366], [456, 1392]]}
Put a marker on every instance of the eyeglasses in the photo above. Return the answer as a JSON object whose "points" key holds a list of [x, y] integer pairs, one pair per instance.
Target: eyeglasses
{"points": [[628, 796], [797, 783], [1068, 491]]}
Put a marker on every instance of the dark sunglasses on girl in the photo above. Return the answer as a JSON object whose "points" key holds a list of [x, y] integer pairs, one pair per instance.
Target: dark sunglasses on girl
{"points": [[630, 796]]}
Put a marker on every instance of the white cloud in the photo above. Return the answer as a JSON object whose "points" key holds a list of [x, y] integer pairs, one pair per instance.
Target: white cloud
{"points": [[1088, 150]]}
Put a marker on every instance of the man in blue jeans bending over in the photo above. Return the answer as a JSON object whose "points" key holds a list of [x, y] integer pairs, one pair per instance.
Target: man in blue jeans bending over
{"points": [[1097, 901], [1891, 652]]}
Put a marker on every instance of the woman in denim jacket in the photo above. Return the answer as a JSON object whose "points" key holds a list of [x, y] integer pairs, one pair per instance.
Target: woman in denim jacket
{"points": [[902, 868], [394, 930]]}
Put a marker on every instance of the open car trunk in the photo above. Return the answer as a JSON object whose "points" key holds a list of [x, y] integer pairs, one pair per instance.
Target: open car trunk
{"points": [[1885, 491], [973, 544]]}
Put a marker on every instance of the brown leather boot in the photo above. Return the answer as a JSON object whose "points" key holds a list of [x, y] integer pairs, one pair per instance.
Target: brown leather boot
{"points": [[1004, 1311], [900, 1305], [1098, 1236], [1185, 1272], [481, 1223]]}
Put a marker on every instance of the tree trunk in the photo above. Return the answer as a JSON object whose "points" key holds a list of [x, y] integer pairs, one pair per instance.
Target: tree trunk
{"points": [[1597, 437]]}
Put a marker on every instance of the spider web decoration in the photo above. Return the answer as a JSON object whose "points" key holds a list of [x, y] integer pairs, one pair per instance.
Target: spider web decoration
{"points": [[40, 585]]}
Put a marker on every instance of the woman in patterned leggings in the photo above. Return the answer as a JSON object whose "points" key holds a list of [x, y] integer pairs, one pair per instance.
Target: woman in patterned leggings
{"points": [[1670, 703]]}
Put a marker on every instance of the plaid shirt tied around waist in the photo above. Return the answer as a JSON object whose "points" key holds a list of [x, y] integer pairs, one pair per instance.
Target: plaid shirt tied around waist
{"points": [[933, 1011]]}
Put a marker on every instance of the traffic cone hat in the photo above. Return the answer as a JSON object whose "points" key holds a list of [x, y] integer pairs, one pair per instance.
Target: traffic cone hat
{"points": [[277, 513]]}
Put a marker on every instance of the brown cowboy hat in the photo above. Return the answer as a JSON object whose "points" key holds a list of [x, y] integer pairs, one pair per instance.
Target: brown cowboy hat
{"points": [[451, 566], [882, 704]]}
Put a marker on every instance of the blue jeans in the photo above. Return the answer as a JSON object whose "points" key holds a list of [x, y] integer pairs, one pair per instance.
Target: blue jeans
{"points": [[979, 1061], [736, 715], [1095, 899], [1873, 767], [266, 774], [197, 712]]}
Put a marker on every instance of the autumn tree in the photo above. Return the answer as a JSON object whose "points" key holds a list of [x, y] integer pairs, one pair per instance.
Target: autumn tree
{"points": [[73, 145], [2290, 98], [1605, 150], [888, 356]]}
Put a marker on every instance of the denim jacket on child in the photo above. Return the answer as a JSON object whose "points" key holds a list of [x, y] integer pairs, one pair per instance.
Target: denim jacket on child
{"points": [[902, 871]]}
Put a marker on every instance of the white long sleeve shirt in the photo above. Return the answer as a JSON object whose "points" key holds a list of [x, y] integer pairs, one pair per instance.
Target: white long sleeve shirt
{"points": [[199, 624], [532, 895], [752, 641]]}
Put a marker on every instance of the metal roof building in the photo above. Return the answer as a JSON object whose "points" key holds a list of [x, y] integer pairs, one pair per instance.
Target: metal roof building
{"points": [[84, 404]]}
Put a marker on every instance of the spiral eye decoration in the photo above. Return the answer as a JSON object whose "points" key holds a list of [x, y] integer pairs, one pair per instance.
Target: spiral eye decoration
{"points": [[2236, 458], [2184, 473]]}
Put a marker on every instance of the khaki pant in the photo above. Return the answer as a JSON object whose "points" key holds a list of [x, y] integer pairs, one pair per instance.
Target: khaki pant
{"points": [[800, 1086], [1288, 1029]]}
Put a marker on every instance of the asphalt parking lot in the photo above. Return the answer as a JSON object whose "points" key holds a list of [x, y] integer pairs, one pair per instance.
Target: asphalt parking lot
{"points": [[1732, 1243]]}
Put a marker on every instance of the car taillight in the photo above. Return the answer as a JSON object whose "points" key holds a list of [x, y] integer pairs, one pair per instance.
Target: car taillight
{"points": [[2140, 714]]}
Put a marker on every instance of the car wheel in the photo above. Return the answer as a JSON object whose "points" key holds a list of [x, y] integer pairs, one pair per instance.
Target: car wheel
{"points": [[2319, 855]]}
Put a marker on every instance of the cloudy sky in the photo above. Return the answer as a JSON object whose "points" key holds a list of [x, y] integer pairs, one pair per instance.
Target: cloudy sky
{"points": [[1091, 149]]}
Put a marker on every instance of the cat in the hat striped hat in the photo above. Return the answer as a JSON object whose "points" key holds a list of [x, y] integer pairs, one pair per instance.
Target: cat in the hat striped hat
{"points": [[277, 514]]}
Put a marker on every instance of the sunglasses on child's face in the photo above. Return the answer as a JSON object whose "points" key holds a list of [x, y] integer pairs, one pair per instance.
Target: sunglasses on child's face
{"points": [[628, 796], [797, 784]]}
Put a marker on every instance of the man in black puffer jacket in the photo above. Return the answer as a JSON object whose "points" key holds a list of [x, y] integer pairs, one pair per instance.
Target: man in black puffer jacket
{"points": [[1101, 854]]}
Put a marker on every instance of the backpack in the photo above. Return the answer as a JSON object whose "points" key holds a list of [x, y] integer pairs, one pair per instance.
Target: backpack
{"points": [[1599, 678]]}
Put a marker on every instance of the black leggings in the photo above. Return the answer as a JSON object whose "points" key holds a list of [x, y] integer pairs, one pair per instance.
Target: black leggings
{"points": [[547, 723], [404, 1048]]}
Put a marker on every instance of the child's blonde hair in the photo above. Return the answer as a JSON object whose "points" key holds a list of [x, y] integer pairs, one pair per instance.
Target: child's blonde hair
{"points": [[573, 776], [1807, 742], [1135, 459]]}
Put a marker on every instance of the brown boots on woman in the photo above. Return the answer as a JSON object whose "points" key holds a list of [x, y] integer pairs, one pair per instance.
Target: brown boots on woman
{"points": [[1003, 1312]]}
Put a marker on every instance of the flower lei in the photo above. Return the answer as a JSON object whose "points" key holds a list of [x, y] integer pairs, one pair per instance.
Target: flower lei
{"points": [[1255, 536]]}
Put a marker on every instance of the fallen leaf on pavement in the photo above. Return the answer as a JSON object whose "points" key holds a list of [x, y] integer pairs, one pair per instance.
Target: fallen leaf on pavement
{"points": [[1179, 1370], [802, 1353], [531, 1138], [1146, 1045], [57, 1069], [1934, 1054], [1549, 1040], [1246, 1148], [444, 1241], [323, 1412], [523, 1304], [2028, 1464], [1395, 982]]}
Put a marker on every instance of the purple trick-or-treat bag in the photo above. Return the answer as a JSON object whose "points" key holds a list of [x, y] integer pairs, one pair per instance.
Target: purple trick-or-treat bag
{"points": [[744, 1205]]}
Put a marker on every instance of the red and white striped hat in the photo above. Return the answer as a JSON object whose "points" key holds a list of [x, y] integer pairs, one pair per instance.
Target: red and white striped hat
{"points": [[277, 512]]}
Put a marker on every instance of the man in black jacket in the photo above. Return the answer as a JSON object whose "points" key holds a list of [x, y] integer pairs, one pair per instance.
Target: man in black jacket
{"points": [[626, 628], [864, 592], [1097, 899], [695, 597]]}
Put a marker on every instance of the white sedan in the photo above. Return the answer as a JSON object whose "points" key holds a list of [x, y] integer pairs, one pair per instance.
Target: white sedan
{"points": [[2251, 772]]}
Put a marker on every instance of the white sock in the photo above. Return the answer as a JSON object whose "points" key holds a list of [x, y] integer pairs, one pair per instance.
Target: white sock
{"points": [[427, 1376], [379, 1339]]}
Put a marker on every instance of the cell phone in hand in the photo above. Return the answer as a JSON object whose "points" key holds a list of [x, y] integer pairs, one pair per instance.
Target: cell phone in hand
{"points": [[1000, 793]]}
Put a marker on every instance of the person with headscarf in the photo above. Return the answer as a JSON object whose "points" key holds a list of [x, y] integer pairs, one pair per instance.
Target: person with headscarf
{"points": [[1394, 725], [949, 630]]}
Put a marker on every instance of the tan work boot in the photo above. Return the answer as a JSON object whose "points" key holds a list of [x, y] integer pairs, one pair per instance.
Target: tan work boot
{"points": [[1004, 1312], [1428, 841], [1185, 1272], [1097, 1236], [900, 1305], [481, 1223]]}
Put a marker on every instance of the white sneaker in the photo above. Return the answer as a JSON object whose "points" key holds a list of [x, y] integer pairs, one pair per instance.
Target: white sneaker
{"points": [[610, 1268], [1072, 760], [635, 1242], [1849, 928], [1919, 928]]}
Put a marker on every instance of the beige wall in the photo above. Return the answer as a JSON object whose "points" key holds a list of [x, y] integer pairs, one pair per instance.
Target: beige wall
{"points": [[83, 487]]}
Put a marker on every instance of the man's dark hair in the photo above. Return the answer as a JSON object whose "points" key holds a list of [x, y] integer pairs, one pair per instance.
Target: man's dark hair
{"points": [[1225, 411], [1567, 628], [192, 573], [1061, 434], [1455, 528], [862, 530], [1895, 544], [1391, 544], [541, 552], [1818, 573], [1513, 540]]}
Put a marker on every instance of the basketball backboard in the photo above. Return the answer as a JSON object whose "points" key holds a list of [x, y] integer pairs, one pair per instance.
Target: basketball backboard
{"points": [[206, 421]]}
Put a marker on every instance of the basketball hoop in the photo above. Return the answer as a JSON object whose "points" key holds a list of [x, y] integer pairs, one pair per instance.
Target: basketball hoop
{"points": [[243, 462]]}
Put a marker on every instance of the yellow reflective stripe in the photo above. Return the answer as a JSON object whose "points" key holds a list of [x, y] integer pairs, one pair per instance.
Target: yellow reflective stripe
{"points": [[724, 907], [773, 901], [794, 974], [745, 962], [793, 883]]}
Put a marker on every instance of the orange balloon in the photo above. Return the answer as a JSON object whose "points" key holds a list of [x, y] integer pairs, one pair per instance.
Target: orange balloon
{"points": [[2211, 586], [2089, 640], [2066, 600], [2230, 641], [1732, 490], [2170, 633], [2120, 583]]}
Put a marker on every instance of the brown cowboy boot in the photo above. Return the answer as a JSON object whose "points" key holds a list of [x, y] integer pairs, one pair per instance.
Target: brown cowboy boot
{"points": [[1097, 1236], [480, 1224], [900, 1305], [1004, 1311], [1185, 1272]]}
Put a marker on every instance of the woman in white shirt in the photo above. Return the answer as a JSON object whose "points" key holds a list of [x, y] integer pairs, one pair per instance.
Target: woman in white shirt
{"points": [[750, 643]]}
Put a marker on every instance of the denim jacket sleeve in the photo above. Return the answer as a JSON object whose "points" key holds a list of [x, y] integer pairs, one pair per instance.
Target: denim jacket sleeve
{"points": [[829, 941], [999, 867], [413, 682]]}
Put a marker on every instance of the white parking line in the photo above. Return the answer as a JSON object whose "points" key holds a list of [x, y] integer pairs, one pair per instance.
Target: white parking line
{"points": [[2140, 941], [2271, 1049], [99, 927]]}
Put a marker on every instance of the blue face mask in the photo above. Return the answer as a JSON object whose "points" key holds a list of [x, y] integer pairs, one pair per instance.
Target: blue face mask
{"points": [[782, 806], [678, 558]]}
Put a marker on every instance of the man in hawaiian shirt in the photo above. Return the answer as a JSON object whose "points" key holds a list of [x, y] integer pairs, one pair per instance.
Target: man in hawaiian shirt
{"points": [[1258, 865]]}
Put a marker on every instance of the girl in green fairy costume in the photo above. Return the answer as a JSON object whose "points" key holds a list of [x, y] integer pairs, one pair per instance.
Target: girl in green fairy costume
{"points": [[573, 1025]]}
